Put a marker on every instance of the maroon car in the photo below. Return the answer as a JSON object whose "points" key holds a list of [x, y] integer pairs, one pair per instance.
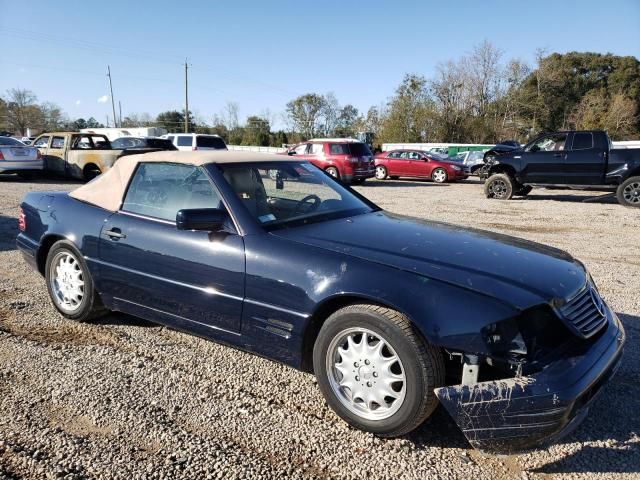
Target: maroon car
{"points": [[350, 161], [417, 164]]}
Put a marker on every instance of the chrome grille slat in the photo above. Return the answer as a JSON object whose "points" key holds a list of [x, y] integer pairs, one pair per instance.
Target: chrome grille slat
{"points": [[584, 313]]}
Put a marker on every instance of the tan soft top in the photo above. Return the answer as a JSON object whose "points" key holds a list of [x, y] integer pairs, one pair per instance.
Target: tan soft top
{"points": [[107, 190]]}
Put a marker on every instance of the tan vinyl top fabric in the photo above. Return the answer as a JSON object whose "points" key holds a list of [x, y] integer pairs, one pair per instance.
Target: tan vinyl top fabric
{"points": [[107, 190]]}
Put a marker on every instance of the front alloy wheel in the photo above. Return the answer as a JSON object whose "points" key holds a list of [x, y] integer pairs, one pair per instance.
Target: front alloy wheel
{"points": [[333, 171], [381, 172], [375, 371], [366, 374], [499, 186], [439, 175]]}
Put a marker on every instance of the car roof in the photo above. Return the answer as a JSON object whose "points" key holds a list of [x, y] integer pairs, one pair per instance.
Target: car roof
{"points": [[107, 190], [333, 140]]}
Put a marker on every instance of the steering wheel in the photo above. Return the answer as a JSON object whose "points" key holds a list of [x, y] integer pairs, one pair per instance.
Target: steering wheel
{"points": [[310, 207]]}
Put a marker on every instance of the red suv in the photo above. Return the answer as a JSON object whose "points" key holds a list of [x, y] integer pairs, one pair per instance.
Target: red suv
{"points": [[348, 160]]}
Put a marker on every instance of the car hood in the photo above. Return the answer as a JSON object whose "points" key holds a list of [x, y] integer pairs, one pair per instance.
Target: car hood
{"points": [[512, 270]]}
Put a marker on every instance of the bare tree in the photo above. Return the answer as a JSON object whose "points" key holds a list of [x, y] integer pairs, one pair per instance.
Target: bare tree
{"points": [[22, 110]]}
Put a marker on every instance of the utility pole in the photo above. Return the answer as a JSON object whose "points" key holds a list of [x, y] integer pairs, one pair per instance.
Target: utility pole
{"points": [[120, 113], [107, 121], [186, 96], [113, 104]]}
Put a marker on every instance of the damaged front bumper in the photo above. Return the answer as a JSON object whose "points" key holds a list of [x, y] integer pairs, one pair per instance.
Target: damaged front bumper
{"points": [[518, 414]]}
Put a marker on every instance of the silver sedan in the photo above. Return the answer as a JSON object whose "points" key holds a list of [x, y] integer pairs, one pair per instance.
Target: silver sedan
{"points": [[16, 157]]}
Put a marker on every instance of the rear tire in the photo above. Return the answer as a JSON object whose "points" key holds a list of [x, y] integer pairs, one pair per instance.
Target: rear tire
{"points": [[90, 172], [408, 366], [499, 186], [628, 193], [333, 171], [70, 284]]}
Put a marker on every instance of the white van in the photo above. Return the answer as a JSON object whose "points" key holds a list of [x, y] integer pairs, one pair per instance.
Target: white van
{"points": [[196, 141]]}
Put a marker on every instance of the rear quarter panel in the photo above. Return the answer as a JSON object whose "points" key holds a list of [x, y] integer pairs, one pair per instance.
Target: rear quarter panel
{"points": [[78, 159]]}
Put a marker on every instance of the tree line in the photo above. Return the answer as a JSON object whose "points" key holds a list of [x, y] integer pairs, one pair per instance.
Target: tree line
{"points": [[478, 98]]}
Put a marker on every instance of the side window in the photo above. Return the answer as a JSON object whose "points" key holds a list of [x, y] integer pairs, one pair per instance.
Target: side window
{"points": [[57, 142], [82, 142], [549, 143], [301, 149], [394, 155], [161, 189], [404, 155], [582, 141], [316, 148], [170, 138], [185, 141], [100, 143], [339, 149], [414, 156], [41, 142]]}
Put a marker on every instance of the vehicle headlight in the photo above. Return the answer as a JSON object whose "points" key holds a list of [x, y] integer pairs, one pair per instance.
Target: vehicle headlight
{"points": [[457, 168], [504, 337]]}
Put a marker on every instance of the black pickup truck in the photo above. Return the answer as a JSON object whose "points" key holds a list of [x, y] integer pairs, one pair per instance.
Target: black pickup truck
{"points": [[581, 160]]}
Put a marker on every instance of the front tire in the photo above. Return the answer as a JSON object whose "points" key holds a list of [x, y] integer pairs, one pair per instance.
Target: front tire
{"points": [[375, 371], [381, 172], [499, 186], [70, 284], [628, 193], [439, 175]]}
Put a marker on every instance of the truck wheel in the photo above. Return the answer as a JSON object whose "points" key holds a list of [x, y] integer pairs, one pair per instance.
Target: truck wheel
{"points": [[523, 191], [70, 285], [375, 371], [628, 192], [90, 172], [499, 186]]}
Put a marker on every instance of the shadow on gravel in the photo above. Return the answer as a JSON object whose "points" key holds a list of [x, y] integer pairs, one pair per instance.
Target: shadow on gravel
{"points": [[41, 179], [8, 233], [122, 319], [439, 431], [404, 183], [613, 422], [597, 197]]}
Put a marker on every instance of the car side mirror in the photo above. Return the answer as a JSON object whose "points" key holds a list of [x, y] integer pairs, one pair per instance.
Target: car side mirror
{"points": [[206, 219]]}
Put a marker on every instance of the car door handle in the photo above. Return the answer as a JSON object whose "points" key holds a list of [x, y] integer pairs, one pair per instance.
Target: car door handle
{"points": [[115, 233]]}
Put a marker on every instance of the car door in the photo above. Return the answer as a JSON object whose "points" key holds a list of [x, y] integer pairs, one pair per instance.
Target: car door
{"points": [[300, 151], [55, 157], [584, 164], [42, 144], [315, 155], [191, 279], [416, 165], [543, 160]]}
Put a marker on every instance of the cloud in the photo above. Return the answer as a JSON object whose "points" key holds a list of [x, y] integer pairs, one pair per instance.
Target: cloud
{"points": [[103, 99], [78, 102]]}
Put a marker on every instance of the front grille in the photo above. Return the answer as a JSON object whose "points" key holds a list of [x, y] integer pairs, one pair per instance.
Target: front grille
{"points": [[586, 312]]}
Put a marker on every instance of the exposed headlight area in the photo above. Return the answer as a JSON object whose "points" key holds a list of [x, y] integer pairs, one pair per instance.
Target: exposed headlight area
{"points": [[456, 168]]}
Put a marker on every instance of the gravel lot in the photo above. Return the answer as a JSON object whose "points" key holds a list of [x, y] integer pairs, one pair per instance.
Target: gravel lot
{"points": [[122, 398]]}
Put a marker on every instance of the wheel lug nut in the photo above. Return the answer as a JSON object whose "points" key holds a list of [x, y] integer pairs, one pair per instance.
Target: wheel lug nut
{"points": [[367, 362], [375, 374], [357, 378], [356, 364], [368, 384]]}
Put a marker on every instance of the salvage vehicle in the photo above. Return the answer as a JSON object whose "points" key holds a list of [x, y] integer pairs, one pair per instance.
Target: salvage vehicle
{"points": [[138, 145], [473, 160], [16, 157], [77, 155], [418, 164], [346, 159], [391, 313], [579, 160]]}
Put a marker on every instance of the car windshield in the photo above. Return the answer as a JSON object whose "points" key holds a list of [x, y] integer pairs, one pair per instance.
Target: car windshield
{"points": [[286, 194], [11, 141]]}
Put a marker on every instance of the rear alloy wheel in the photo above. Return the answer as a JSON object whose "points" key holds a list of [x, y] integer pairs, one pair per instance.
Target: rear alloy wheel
{"points": [[439, 175], [375, 371], [333, 171], [499, 186], [628, 193], [69, 283], [381, 172]]}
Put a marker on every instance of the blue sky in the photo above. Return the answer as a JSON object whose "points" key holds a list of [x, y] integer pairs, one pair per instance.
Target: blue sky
{"points": [[262, 54]]}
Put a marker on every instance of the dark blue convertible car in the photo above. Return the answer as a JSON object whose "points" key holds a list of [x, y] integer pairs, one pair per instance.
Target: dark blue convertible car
{"points": [[392, 314]]}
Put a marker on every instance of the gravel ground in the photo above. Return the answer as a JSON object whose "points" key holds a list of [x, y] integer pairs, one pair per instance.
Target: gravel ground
{"points": [[122, 398]]}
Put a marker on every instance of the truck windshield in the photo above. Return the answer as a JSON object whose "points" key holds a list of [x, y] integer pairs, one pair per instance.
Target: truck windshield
{"points": [[286, 194]]}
